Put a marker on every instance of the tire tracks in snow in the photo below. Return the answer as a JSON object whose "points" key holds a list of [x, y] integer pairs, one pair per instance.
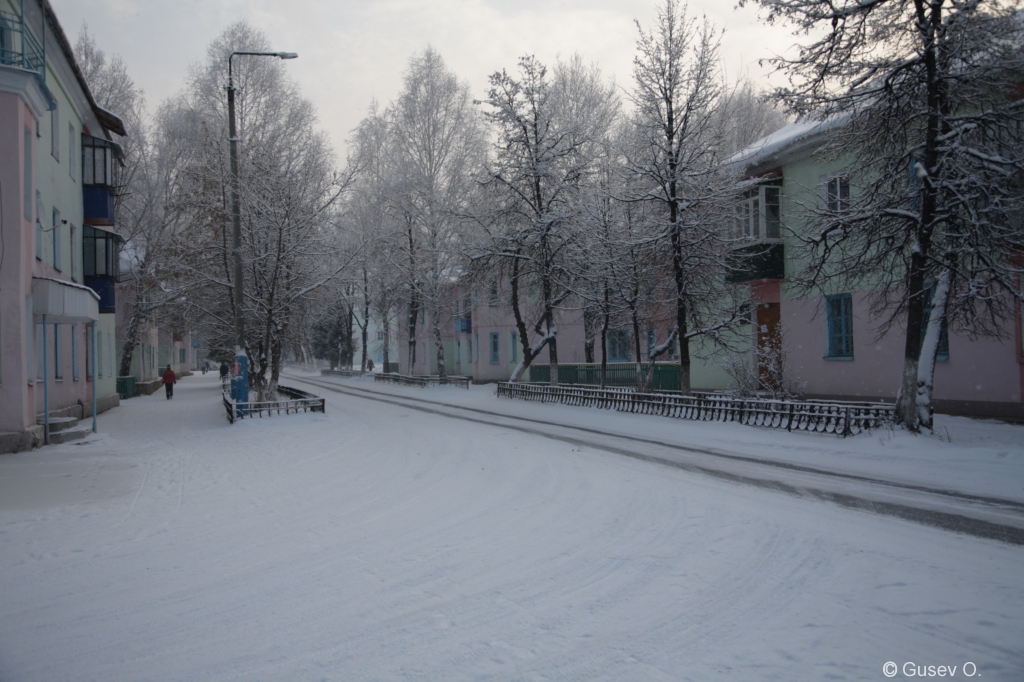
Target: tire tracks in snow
{"points": [[950, 510]]}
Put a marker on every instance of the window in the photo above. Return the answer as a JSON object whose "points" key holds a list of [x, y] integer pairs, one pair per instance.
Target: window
{"points": [[495, 348], [837, 193], [652, 341], [380, 335], [40, 353], [943, 350], [96, 161], [476, 337], [512, 347], [74, 352], [58, 366], [72, 164], [181, 356], [99, 253], [26, 178], [99, 354], [758, 213], [456, 308], [55, 132], [56, 239], [29, 343], [618, 345], [39, 225], [74, 254], [492, 294], [840, 326]]}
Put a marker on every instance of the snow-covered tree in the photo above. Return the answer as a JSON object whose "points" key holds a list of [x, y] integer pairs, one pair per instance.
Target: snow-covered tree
{"points": [[549, 131], [289, 193], [925, 98], [674, 161]]}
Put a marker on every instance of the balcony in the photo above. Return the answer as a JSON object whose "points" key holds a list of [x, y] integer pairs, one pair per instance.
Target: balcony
{"points": [[19, 47], [104, 287], [762, 260], [98, 204]]}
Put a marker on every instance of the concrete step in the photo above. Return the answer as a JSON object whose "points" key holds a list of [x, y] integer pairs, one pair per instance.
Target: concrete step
{"points": [[69, 435], [59, 423]]}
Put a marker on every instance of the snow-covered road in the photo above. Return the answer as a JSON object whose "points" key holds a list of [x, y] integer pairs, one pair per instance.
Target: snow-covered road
{"points": [[378, 542]]}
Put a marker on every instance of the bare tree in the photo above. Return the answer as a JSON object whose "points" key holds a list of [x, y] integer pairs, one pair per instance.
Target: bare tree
{"points": [[288, 199], [674, 160], [925, 98], [549, 133]]}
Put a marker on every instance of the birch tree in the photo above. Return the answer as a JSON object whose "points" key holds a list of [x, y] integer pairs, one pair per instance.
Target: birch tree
{"points": [[548, 135], [676, 100], [926, 98]]}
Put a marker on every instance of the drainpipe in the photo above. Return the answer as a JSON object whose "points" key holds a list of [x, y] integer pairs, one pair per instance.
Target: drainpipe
{"points": [[46, 390], [92, 352]]}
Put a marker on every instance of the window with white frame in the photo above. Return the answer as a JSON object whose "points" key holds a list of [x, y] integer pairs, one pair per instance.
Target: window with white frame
{"points": [[29, 342], [40, 353], [72, 156], [39, 225], [58, 360], [74, 352], [512, 344], [55, 131], [837, 192], [56, 239], [492, 294], [27, 177], [758, 213]]}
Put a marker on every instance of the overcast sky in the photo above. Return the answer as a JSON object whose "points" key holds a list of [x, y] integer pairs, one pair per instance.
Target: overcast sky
{"points": [[351, 52]]}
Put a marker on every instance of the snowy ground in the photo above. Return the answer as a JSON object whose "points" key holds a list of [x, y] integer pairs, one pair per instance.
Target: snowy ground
{"points": [[379, 542]]}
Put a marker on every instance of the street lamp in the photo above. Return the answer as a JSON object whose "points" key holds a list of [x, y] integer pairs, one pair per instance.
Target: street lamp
{"points": [[240, 379]]}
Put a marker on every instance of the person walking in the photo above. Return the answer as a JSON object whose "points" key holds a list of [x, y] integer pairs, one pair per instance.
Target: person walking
{"points": [[169, 381]]}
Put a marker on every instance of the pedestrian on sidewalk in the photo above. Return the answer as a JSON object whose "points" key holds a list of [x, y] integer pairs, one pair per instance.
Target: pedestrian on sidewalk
{"points": [[169, 381], [224, 370]]}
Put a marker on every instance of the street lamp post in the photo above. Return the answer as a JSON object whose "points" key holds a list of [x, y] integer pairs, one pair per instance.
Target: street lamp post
{"points": [[240, 377]]}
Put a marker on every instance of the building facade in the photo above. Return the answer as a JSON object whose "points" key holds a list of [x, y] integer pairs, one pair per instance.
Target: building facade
{"points": [[58, 266]]}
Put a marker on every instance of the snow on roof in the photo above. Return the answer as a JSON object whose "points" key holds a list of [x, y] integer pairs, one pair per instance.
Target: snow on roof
{"points": [[788, 137]]}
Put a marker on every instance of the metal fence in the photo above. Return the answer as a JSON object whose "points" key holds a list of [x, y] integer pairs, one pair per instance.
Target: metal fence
{"points": [[342, 373], [297, 401], [432, 380], [838, 417], [666, 375]]}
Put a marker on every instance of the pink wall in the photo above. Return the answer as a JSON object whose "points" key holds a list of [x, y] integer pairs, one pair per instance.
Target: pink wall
{"points": [[978, 370]]}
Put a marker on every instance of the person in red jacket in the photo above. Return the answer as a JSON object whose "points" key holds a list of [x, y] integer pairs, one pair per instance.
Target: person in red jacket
{"points": [[169, 381]]}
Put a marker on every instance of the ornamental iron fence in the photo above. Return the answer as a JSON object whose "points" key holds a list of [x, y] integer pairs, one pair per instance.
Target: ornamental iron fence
{"points": [[296, 401], [820, 416], [421, 381]]}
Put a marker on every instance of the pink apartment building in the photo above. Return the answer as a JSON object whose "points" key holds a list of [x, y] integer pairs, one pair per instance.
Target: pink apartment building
{"points": [[58, 262]]}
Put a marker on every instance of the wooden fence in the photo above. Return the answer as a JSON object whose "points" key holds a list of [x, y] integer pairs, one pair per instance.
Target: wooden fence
{"points": [[432, 380], [838, 417], [298, 401]]}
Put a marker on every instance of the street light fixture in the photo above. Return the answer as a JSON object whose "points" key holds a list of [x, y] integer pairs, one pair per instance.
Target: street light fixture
{"points": [[240, 378]]}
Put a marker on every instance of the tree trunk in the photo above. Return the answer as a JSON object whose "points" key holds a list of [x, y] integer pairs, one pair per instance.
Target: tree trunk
{"points": [[387, 339], [604, 343], [640, 375], [442, 370]]}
